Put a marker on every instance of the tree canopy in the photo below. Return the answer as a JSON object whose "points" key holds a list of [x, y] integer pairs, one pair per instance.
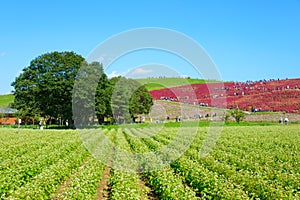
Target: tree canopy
{"points": [[91, 94], [129, 98], [63, 85], [118, 100], [45, 87]]}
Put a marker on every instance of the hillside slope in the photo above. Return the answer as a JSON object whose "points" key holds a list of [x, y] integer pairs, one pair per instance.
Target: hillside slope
{"points": [[6, 100], [161, 83], [274, 95]]}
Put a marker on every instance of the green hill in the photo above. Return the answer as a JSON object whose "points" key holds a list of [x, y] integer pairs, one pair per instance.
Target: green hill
{"points": [[6, 100], [161, 83]]}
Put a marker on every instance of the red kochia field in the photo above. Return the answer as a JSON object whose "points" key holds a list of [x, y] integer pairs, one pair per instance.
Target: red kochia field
{"points": [[274, 95]]}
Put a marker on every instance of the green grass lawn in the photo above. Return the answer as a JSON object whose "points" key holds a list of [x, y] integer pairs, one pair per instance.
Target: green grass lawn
{"points": [[161, 83], [6, 100]]}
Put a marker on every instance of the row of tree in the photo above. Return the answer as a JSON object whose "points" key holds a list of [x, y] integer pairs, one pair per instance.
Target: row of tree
{"points": [[62, 86]]}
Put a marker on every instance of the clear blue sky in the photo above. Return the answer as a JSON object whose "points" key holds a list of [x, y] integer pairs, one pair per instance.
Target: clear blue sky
{"points": [[248, 40]]}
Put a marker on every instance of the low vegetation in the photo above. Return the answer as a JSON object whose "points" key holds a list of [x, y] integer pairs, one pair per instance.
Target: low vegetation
{"points": [[257, 96], [246, 163]]}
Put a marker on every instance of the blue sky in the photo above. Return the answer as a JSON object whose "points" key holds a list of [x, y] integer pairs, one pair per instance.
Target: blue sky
{"points": [[247, 40]]}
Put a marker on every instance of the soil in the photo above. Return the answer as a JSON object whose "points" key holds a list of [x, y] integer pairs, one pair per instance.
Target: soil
{"points": [[104, 187]]}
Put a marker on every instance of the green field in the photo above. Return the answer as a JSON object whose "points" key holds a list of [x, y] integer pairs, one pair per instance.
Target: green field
{"points": [[6, 100], [257, 162], [161, 83]]}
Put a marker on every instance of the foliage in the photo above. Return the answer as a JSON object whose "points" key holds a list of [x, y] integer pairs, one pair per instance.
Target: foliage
{"points": [[90, 94], [227, 116], [125, 186], [165, 182], [84, 181], [246, 163], [103, 98], [129, 99], [118, 99], [238, 115], [44, 88]]}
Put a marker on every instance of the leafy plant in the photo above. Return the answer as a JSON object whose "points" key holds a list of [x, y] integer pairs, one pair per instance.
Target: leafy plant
{"points": [[238, 115]]}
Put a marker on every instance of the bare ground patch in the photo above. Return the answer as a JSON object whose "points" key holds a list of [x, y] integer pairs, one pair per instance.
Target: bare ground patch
{"points": [[103, 190]]}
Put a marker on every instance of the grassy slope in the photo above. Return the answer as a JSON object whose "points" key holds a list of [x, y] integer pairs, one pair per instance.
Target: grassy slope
{"points": [[6, 100], [160, 83]]}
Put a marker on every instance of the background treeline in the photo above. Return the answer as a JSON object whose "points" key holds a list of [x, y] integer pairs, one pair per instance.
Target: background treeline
{"points": [[60, 86]]}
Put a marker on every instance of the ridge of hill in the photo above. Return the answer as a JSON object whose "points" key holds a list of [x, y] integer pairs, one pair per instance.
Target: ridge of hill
{"points": [[6, 100], [162, 83]]}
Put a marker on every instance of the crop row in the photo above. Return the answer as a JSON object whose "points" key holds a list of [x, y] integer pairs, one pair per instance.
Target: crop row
{"points": [[242, 165], [256, 163], [83, 182], [22, 170], [207, 184], [44, 184]]}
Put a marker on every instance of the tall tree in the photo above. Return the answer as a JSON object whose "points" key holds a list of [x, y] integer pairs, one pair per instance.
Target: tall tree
{"points": [[129, 99], [103, 98], [140, 102], [90, 97], [45, 86]]}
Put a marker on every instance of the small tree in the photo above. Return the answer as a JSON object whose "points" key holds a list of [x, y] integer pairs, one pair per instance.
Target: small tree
{"points": [[227, 116], [129, 99], [238, 115]]}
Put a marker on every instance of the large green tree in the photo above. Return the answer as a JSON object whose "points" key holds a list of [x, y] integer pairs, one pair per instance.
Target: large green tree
{"points": [[45, 87], [63, 85], [103, 98], [117, 100], [129, 98], [91, 97]]}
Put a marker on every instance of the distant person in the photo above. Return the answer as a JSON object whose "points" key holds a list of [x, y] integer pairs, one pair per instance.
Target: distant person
{"points": [[41, 123], [286, 121], [280, 120], [143, 119]]}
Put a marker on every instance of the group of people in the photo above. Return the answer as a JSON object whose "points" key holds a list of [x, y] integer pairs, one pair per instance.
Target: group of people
{"points": [[42, 123], [168, 98], [286, 121]]}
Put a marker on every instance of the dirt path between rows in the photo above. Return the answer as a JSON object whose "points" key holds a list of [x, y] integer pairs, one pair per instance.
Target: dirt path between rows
{"points": [[103, 190], [151, 195]]}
